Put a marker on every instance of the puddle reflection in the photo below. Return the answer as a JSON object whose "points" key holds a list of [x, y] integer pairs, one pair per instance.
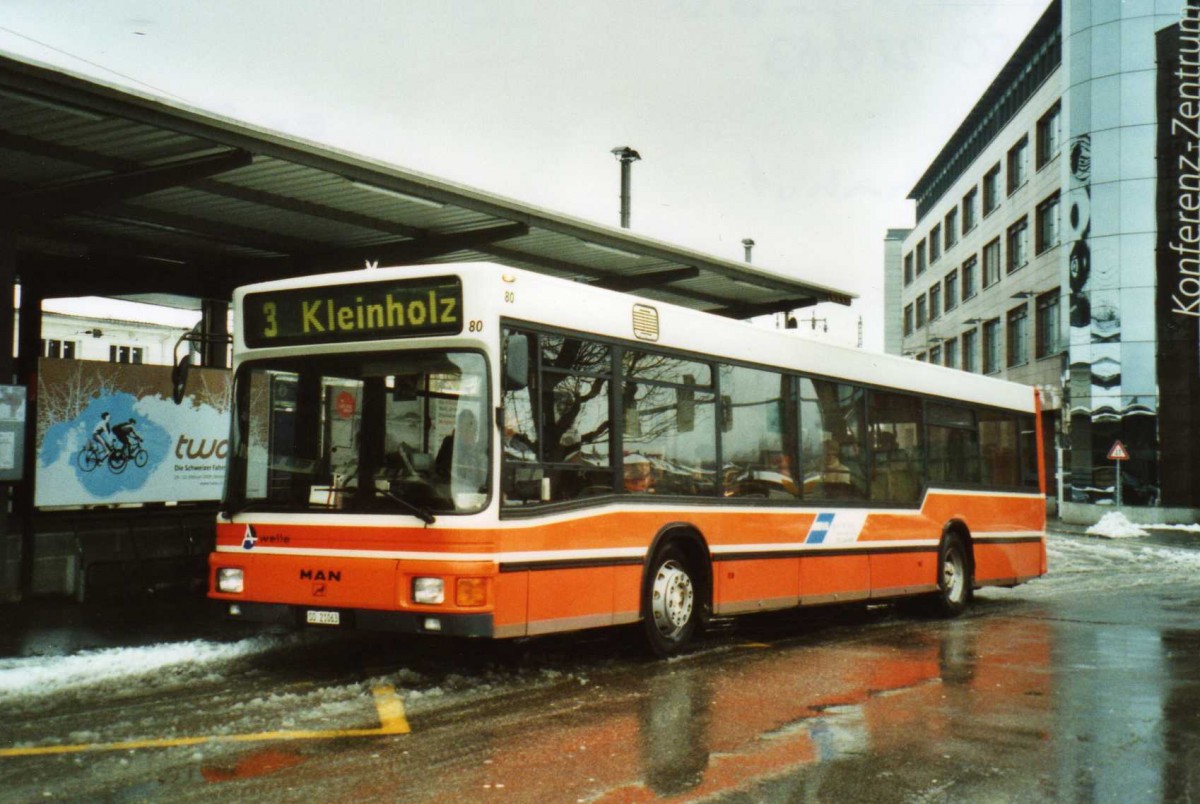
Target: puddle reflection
{"points": [[793, 716], [1034, 706]]}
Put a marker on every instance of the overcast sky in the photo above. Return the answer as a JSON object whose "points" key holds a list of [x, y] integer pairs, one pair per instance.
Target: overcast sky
{"points": [[801, 124]]}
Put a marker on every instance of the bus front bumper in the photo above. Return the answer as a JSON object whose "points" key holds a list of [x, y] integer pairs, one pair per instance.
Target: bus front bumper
{"points": [[397, 622]]}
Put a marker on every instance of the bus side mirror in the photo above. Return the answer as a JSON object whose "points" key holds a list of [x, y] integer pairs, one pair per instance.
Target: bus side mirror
{"points": [[516, 362], [179, 375]]}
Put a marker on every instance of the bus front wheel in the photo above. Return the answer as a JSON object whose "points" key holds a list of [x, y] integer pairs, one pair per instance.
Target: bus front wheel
{"points": [[669, 606]]}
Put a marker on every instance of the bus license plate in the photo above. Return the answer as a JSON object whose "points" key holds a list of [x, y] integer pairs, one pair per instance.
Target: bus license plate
{"points": [[324, 617]]}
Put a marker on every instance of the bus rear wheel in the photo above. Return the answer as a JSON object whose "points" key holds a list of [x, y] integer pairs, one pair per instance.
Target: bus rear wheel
{"points": [[669, 606], [954, 578]]}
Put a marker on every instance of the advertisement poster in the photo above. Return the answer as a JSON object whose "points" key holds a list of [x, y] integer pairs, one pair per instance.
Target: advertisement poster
{"points": [[12, 432], [109, 433]]}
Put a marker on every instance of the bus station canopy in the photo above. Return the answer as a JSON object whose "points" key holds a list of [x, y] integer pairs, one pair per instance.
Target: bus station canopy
{"points": [[112, 193]]}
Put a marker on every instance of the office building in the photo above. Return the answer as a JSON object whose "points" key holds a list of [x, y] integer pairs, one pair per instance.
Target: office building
{"points": [[1056, 244]]}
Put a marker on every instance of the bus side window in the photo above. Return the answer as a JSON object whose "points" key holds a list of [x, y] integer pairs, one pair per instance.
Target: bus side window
{"points": [[520, 473], [832, 427], [555, 429], [670, 421], [897, 463], [998, 441], [757, 434], [953, 443]]}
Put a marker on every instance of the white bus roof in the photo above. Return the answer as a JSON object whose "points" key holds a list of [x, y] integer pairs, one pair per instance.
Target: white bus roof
{"points": [[562, 304]]}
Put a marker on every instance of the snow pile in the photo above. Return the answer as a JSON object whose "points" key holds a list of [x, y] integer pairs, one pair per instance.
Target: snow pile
{"points": [[1115, 525], [157, 664]]}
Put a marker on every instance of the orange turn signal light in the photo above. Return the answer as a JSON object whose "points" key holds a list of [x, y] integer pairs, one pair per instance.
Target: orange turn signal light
{"points": [[470, 592]]}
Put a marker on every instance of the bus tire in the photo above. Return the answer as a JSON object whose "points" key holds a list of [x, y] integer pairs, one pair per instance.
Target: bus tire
{"points": [[953, 578], [670, 608]]}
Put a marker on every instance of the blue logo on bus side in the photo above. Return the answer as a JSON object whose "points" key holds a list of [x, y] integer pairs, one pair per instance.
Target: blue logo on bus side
{"points": [[820, 529], [249, 538]]}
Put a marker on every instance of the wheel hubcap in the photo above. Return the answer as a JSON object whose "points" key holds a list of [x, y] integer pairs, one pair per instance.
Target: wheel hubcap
{"points": [[953, 576], [671, 599]]}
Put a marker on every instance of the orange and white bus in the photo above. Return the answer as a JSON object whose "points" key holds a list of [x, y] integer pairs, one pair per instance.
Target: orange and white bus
{"points": [[479, 451]]}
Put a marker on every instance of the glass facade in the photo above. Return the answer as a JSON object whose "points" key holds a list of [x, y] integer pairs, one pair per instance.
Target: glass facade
{"points": [[1111, 104]]}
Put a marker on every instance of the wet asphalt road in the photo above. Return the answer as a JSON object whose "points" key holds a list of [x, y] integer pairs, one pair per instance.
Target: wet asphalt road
{"points": [[1083, 686]]}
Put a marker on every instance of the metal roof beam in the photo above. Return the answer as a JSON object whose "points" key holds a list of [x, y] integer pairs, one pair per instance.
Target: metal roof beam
{"points": [[77, 156], [63, 239], [319, 211], [404, 253], [743, 311], [650, 279], [224, 233], [593, 273], [56, 200], [550, 263]]}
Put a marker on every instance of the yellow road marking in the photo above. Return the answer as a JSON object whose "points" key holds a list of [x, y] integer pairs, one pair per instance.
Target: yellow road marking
{"points": [[755, 645], [391, 710], [387, 704]]}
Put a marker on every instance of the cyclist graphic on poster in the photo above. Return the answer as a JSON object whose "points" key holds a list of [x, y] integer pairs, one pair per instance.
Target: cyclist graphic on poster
{"points": [[100, 448], [102, 433]]}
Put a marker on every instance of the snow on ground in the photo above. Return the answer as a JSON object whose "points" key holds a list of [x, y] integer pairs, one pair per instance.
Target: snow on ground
{"points": [[31, 683], [1185, 528], [159, 665], [1115, 525], [1080, 565]]}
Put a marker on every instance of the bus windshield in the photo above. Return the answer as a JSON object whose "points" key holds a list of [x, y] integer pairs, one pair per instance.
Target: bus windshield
{"points": [[383, 432]]}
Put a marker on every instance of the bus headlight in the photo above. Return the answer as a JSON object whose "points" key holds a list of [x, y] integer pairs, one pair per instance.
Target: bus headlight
{"points": [[430, 591], [230, 580]]}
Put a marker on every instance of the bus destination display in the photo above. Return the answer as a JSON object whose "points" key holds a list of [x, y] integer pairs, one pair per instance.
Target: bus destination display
{"points": [[364, 311]]}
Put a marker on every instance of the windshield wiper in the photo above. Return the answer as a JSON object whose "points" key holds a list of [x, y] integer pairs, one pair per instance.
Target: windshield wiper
{"points": [[420, 513]]}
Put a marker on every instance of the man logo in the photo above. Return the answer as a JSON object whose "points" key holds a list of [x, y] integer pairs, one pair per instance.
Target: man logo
{"points": [[249, 538]]}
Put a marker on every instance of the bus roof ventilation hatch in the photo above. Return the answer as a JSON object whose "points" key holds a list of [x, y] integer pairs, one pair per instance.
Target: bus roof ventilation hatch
{"points": [[645, 322]]}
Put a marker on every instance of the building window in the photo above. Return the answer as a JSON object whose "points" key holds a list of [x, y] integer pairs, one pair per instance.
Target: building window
{"points": [[969, 352], [1018, 245], [935, 301], [935, 243], [1047, 224], [125, 354], [52, 347], [991, 346], [1018, 165], [1018, 336], [908, 269], [921, 311], [968, 277], [991, 263], [908, 319], [951, 294], [935, 355], [951, 228], [951, 353], [991, 190], [1048, 322], [921, 357], [920, 258], [1048, 135], [970, 204]]}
